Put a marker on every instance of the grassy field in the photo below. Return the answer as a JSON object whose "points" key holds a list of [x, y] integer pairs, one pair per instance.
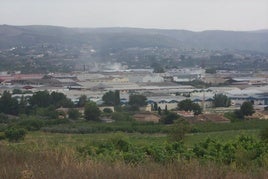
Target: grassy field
{"points": [[47, 165], [53, 155], [89, 127], [75, 155], [42, 140]]}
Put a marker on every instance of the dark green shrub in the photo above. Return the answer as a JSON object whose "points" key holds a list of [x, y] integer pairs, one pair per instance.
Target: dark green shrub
{"points": [[2, 136], [178, 130], [264, 134], [3, 118], [170, 117], [31, 124], [15, 134], [73, 114]]}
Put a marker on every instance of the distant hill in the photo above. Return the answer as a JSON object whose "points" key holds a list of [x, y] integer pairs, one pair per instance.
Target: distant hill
{"points": [[120, 38]]}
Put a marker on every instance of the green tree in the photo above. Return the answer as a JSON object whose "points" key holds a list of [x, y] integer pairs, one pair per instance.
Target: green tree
{"points": [[159, 110], [166, 110], [60, 100], [196, 109], [156, 66], [155, 106], [82, 101], [40, 99], [170, 117], [117, 97], [185, 105], [48, 112], [137, 100], [111, 98], [8, 105], [238, 114], [92, 111], [188, 105], [221, 100], [73, 114], [247, 108], [22, 105]]}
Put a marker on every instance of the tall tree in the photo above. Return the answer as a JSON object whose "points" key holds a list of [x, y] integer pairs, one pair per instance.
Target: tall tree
{"points": [[8, 105], [41, 99], [111, 98], [73, 113], [247, 108], [82, 101], [188, 105], [196, 109], [117, 98], [170, 117], [185, 105], [22, 105], [60, 99], [137, 100], [155, 106], [92, 111], [221, 100]]}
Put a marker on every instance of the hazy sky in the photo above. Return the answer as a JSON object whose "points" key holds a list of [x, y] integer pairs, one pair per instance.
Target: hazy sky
{"points": [[168, 14]]}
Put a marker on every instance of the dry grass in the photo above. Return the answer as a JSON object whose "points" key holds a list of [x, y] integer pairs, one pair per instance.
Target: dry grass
{"points": [[58, 164]]}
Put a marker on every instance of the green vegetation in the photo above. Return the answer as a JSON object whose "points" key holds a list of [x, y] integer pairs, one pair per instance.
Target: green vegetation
{"points": [[169, 117], [15, 134], [44, 99], [92, 111], [236, 151], [8, 105], [82, 101], [240, 145], [247, 108], [188, 105], [73, 114], [137, 100], [179, 130], [111, 98], [221, 100], [264, 134], [241, 125]]}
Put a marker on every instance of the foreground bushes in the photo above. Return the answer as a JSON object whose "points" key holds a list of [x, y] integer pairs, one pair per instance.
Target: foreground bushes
{"points": [[264, 134], [58, 164], [243, 152], [15, 134], [118, 149]]}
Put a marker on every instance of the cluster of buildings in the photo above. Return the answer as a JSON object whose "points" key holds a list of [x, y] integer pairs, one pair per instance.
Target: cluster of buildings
{"points": [[162, 89]]}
